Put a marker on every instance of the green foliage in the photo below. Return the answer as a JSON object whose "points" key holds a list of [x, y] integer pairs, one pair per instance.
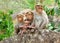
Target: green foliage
{"points": [[57, 10], [58, 2], [48, 2], [6, 24], [51, 12], [30, 3]]}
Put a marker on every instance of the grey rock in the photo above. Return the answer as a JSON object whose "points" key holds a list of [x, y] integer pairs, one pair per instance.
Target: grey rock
{"points": [[38, 36]]}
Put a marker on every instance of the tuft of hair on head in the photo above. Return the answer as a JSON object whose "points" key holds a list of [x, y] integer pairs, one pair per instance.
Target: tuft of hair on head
{"points": [[39, 5], [30, 12], [20, 15]]}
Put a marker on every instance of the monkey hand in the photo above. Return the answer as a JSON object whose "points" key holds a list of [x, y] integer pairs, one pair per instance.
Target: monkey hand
{"points": [[24, 27], [21, 27], [31, 27]]}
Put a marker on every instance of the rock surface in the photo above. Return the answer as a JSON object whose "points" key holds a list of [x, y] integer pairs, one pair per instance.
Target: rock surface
{"points": [[37, 36]]}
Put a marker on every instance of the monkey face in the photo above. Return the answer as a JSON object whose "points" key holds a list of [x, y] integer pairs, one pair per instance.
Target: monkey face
{"points": [[29, 15], [39, 8], [20, 18]]}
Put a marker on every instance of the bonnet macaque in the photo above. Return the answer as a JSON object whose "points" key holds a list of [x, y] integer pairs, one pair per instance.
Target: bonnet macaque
{"points": [[40, 17], [19, 23], [26, 26], [30, 16]]}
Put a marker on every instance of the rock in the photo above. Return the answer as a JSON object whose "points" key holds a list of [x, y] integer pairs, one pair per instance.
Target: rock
{"points": [[38, 36]]}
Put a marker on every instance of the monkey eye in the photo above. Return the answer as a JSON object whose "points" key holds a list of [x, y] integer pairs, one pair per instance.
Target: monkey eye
{"points": [[27, 20], [39, 8]]}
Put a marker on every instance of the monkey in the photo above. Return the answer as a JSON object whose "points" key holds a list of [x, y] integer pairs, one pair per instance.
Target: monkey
{"points": [[30, 16], [19, 23], [26, 26], [40, 17], [21, 18]]}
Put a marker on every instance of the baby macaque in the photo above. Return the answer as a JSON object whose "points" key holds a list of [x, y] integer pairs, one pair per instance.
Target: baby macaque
{"points": [[30, 16], [19, 23], [20, 18], [26, 26]]}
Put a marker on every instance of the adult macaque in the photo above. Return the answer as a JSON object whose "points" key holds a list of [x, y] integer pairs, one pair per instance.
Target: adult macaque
{"points": [[19, 23], [40, 17], [29, 15]]}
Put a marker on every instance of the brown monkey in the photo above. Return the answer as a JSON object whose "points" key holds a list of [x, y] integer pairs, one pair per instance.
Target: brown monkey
{"points": [[30, 16], [40, 17], [26, 25], [19, 23]]}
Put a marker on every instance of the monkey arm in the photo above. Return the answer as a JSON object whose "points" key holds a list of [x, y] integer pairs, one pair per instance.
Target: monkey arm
{"points": [[46, 20], [43, 24], [45, 16], [16, 30]]}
